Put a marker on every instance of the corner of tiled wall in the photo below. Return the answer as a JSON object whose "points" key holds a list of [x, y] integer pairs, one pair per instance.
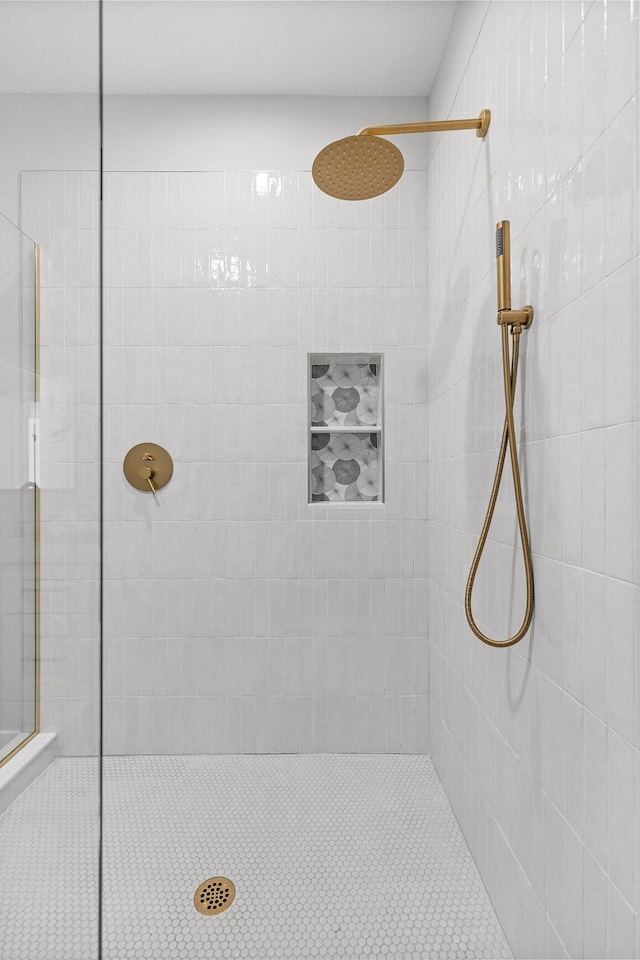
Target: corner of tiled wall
{"points": [[538, 746]]}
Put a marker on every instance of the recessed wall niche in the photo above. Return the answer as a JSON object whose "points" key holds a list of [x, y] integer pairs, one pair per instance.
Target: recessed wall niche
{"points": [[345, 428]]}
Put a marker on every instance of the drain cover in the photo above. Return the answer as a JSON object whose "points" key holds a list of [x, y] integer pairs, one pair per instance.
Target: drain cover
{"points": [[214, 896]]}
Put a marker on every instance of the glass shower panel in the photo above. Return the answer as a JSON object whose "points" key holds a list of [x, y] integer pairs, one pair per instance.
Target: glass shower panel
{"points": [[50, 470], [18, 491]]}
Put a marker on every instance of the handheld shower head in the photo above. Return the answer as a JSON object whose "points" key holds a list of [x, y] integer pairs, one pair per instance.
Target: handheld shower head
{"points": [[520, 319], [514, 322], [503, 258]]}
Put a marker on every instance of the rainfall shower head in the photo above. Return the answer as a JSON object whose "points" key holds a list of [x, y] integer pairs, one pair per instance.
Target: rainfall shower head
{"points": [[358, 168], [366, 165]]}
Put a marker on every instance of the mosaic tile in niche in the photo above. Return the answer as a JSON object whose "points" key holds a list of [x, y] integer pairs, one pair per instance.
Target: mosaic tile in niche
{"points": [[345, 466], [344, 394]]}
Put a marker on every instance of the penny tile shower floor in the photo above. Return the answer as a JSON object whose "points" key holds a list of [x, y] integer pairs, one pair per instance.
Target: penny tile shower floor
{"points": [[332, 856]]}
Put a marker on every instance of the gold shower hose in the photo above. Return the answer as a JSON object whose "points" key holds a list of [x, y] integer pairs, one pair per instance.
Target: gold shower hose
{"points": [[510, 373]]}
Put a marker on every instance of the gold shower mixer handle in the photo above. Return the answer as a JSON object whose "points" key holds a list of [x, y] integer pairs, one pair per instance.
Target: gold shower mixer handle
{"points": [[146, 473], [148, 467]]}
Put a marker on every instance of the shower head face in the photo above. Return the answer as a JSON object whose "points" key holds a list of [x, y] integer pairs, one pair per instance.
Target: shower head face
{"points": [[358, 168]]}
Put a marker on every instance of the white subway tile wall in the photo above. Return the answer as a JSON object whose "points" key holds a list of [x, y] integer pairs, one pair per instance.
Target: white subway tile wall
{"points": [[538, 746], [238, 617], [60, 211]]}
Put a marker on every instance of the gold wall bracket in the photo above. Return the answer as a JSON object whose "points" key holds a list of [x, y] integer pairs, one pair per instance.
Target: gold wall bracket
{"points": [[480, 125], [148, 467], [517, 318]]}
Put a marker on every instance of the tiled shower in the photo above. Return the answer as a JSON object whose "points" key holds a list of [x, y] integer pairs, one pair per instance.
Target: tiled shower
{"points": [[273, 624], [265, 672]]}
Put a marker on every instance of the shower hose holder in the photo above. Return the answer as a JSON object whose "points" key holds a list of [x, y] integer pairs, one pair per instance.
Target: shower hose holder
{"points": [[517, 319]]}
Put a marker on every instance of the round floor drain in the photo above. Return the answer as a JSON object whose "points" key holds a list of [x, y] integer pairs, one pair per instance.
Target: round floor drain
{"points": [[214, 896]]}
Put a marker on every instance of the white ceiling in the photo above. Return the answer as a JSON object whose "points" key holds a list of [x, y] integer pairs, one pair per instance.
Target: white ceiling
{"points": [[271, 47]]}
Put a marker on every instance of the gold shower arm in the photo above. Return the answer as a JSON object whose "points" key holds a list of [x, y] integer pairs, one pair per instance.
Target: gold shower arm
{"points": [[481, 125]]}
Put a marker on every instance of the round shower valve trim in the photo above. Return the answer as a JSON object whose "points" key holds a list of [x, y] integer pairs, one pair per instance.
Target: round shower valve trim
{"points": [[148, 467]]}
